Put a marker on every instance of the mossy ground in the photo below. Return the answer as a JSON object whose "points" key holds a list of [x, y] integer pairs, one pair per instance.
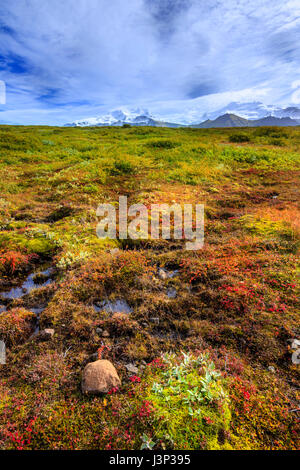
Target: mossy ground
{"points": [[236, 299]]}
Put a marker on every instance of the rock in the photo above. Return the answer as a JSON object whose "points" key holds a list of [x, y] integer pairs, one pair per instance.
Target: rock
{"points": [[162, 274], [99, 331], [99, 377], [47, 334], [172, 293], [105, 334], [295, 344], [296, 357], [2, 353], [272, 369], [132, 369], [115, 252]]}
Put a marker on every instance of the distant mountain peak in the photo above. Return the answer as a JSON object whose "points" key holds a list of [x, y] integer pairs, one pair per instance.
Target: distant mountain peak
{"points": [[232, 120], [235, 114], [117, 117]]}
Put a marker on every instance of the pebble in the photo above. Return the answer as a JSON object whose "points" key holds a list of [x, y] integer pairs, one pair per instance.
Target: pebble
{"points": [[295, 344], [132, 369], [47, 334], [162, 274]]}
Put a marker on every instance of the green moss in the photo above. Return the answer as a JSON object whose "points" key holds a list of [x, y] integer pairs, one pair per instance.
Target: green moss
{"points": [[267, 228], [38, 242], [191, 405]]}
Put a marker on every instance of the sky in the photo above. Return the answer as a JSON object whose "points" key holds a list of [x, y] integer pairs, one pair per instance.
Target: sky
{"points": [[69, 60]]}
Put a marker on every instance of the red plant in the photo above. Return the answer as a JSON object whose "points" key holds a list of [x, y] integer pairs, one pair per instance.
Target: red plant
{"points": [[12, 261], [135, 379], [101, 351]]}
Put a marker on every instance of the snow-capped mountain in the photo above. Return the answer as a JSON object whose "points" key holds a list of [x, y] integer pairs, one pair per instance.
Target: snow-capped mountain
{"points": [[254, 110], [292, 111], [118, 117]]}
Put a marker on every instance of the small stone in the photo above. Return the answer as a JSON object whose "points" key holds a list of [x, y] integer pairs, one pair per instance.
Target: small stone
{"points": [[99, 331], [162, 274], [272, 369], [105, 334], [132, 369], [295, 344], [47, 334], [99, 377], [172, 293], [115, 252], [2, 353], [296, 357]]}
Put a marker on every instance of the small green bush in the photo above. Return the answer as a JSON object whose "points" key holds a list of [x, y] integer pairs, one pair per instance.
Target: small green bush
{"points": [[239, 138], [163, 144], [191, 405], [122, 167]]}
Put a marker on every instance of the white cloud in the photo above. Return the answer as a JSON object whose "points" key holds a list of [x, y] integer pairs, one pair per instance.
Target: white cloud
{"points": [[63, 61]]}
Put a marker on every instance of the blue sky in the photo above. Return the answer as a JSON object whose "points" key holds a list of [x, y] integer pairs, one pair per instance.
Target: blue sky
{"points": [[68, 60]]}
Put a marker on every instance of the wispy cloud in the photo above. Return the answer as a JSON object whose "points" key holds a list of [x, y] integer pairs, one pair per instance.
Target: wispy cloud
{"points": [[67, 60]]}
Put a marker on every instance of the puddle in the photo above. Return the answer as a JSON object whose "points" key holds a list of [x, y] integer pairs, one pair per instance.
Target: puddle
{"points": [[33, 281], [172, 293], [113, 306], [29, 285]]}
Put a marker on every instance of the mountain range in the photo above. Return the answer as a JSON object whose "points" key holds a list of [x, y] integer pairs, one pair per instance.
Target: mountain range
{"points": [[232, 120], [136, 117], [254, 114], [254, 110]]}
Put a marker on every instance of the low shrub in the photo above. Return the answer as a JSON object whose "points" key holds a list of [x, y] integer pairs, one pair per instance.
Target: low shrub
{"points": [[15, 326], [239, 138]]}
